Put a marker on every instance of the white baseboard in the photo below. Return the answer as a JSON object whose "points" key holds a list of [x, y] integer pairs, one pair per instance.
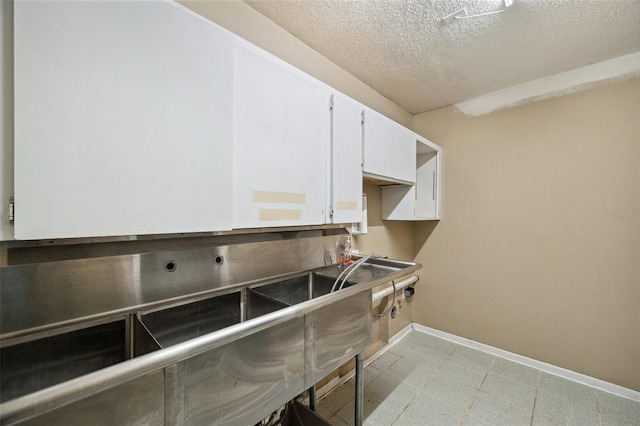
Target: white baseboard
{"points": [[543, 366], [399, 335]]}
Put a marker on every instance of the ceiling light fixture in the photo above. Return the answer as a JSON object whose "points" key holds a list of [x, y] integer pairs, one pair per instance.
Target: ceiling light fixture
{"points": [[462, 13]]}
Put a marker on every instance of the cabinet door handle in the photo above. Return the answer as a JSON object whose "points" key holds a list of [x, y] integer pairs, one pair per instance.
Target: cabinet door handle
{"points": [[433, 194]]}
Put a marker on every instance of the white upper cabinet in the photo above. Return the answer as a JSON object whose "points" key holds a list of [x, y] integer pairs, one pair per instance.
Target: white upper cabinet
{"points": [[281, 139], [142, 117], [123, 120], [389, 150], [420, 201], [345, 196]]}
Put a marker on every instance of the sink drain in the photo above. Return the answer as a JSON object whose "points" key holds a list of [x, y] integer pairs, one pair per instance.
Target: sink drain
{"points": [[394, 312]]}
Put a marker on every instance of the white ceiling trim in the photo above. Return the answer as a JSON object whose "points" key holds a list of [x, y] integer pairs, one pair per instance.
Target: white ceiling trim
{"points": [[616, 69]]}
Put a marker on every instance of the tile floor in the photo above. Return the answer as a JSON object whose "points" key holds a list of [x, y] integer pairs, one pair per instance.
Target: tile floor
{"points": [[425, 380]]}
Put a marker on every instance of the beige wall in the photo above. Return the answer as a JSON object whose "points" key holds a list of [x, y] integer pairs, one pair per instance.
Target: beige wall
{"points": [[395, 240], [526, 257], [386, 238], [239, 18]]}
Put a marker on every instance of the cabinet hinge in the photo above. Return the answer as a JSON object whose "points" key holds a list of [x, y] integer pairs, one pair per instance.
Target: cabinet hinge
{"points": [[362, 117], [331, 102], [11, 215]]}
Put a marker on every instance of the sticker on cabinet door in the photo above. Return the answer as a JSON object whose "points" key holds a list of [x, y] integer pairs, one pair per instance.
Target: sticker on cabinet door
{"points": [[279, 197], [280, 214], [347, 205]]}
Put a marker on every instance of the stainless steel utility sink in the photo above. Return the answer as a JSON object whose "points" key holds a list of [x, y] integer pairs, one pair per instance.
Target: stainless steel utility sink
{"points": [[216, 335]]}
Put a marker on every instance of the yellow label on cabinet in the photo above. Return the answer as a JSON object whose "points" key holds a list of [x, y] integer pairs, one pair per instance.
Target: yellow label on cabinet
{"points": [[280, 214], [279, 197], [347, 205]]}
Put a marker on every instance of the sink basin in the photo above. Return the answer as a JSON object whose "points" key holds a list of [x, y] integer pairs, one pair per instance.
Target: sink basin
{"points": [[333, 333], [38, 364], [241, 379], [293, 290], [31, 366], [372, 269], [178, 324], [274, 295]]}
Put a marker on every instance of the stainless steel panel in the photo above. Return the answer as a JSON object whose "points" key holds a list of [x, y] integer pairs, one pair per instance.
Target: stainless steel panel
{"points": [[35, 365], [181, 323], [39, 297], [138, 402], [336, 333], [243, 382], [31, 251], [258, 304], [174, 381]]}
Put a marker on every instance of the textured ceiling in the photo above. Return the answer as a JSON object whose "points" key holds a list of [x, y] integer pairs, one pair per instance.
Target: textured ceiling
{"points": [[401, 49]]}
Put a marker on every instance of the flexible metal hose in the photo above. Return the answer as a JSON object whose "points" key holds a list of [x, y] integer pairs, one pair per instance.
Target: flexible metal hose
{"points": [[350, 269], [393, 303]]}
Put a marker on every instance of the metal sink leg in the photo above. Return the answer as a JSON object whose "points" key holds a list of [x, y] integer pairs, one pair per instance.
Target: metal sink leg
{"points": [[312, 398], [359, 417]]}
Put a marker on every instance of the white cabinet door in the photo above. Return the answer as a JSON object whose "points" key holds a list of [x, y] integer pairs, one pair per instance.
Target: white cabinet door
{"points": [[281, 134], [123, 120], [345, 198], [420, 201], [389, 149], [6, 119], [427, 194]]}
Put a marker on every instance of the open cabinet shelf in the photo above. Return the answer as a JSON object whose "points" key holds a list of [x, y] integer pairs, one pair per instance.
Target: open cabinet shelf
{"points": [[420, 201]]}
